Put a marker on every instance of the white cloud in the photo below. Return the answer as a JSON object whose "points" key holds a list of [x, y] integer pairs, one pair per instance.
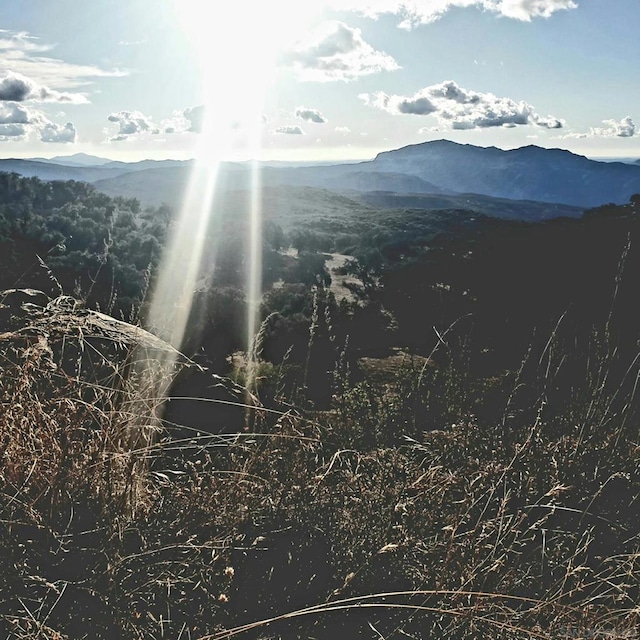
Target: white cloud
{"points": [[13, 131], [52, 132], [296, 131], [11, 113], [626, 128], [22, 41], [131, 123], [342, 130], [336, 51], [18, 88], [526, 10], [20, 53], [550, 122], [177, 123], [191, 120], [310, 115], [195, 116], [413, 13], [188, 120], [17, 122], [459, 109]]}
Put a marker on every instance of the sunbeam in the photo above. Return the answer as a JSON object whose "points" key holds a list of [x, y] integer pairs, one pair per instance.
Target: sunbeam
{"points": [[237, 45]]}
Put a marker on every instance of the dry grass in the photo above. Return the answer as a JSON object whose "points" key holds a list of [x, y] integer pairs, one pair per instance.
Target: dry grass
{"points": [[522, 523]]}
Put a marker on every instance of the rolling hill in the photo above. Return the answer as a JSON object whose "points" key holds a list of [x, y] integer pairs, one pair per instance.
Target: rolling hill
{"points": [[527, 210]]}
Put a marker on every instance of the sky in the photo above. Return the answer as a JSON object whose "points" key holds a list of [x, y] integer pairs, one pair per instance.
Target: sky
{"points": [[316, 80]]}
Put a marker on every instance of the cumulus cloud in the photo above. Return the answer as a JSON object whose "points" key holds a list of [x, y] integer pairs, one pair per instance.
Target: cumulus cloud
{"points": [[195, 117], [191, 120], [412, 13], [17, 122], [12, 131], [526, 10], [177, 123], [336, 51], [310, 115], [52, 132], [131, 123], [626, 128], [547, 123], [15, 87], [22, 54], [11, 113], [342, 130], [296, 131], [187, 120], [459, 109], [18, 88]]}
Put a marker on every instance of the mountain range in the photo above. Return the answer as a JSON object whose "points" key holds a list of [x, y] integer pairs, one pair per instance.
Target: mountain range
{"points": [[427, 175], [528, 173]]}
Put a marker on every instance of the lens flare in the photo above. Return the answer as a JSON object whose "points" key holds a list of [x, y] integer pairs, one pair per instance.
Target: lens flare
{"points": [[235, 47]]}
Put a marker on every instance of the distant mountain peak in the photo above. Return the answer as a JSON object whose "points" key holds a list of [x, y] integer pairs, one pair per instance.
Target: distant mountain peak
{"points": [[75, 160], [431, 144], [526, 173], [533, 149], [450, 145], [82, 157], [442, 146]]}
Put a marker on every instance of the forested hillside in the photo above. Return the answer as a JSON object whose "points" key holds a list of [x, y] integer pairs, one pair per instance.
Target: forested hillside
{"points": [[68, 236], [416, 269]]}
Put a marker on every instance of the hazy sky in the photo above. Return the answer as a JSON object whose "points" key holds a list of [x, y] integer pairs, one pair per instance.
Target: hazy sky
{"points": [[332, 79]]}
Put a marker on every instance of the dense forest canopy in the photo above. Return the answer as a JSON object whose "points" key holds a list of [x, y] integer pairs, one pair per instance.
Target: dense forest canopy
{"points": [[98, 247]]}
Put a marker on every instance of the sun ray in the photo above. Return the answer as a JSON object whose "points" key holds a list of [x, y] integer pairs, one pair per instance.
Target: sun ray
{"points": [[236, 45]]}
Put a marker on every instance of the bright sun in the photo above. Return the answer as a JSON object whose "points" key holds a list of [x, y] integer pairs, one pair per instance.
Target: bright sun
{"points": [[237, 44]]}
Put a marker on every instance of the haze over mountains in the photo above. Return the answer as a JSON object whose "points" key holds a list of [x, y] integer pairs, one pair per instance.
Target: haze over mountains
{"points": [[85, 169], [425, 176], [76, 160]]}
